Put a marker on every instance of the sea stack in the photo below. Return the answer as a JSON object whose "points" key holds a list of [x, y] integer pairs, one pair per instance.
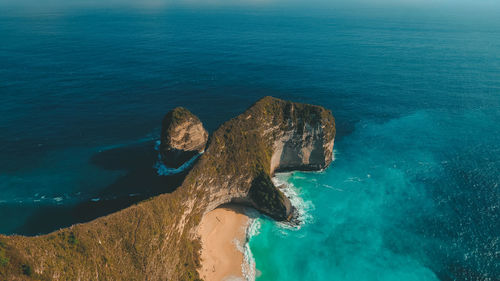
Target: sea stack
{"points": [[156, 239], [182, 137]]}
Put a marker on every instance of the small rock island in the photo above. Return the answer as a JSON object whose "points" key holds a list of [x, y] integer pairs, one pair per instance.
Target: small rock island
{"points": [[182, 137], [156, 239]]}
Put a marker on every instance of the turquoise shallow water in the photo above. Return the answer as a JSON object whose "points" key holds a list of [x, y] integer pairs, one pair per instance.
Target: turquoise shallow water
{"points": [[398, 203], [413, 193]]}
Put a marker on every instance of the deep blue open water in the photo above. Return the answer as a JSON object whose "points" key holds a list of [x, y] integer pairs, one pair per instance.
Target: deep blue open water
{"points": [[413, 192]]}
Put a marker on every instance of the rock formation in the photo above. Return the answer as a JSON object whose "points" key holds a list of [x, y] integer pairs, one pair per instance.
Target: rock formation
{"points": [[156, 239], [182, 137]]}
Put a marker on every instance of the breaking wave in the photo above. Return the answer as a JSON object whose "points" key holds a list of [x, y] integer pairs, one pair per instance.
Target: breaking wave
{"points": [[163, 170]]}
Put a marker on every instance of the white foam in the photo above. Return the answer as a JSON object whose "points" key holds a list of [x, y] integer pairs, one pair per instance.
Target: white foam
{"points": [[95, 199], [163, 170], [253, 229], [248, 266], [331, 187], [354, 179], [157, 145], [293, 193]]}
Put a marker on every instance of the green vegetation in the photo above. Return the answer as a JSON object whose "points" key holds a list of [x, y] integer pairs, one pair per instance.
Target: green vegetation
{"points": [[265, 194], [156, 238], [178, 114], [175, 117], [12, 264], [26, 270], [72, 239], [4, 260]]}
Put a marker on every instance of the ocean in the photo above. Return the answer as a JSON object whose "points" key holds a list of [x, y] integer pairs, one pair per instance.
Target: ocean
{"points": [[413, 191]]}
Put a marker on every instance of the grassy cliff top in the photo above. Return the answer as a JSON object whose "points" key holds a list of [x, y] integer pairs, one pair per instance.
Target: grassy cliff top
{"points": [[155, 239], [176, 117], [179, 115]]}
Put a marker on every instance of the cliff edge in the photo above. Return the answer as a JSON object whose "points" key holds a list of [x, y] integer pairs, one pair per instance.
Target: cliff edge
{"points": [[156, 239]]}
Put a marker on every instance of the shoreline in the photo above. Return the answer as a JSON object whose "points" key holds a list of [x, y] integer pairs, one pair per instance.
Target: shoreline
{"points": [[223, 234]]}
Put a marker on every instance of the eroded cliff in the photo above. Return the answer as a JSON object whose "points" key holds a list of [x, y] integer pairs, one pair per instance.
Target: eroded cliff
{"points": [[182, 137], [156, 239]]}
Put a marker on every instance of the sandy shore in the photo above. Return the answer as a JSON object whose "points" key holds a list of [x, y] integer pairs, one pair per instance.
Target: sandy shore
{"points": [[223, 235]]}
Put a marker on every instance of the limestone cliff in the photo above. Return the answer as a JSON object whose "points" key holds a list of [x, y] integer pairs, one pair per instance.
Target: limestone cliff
{"points": [[182, 137], [156, 239]]}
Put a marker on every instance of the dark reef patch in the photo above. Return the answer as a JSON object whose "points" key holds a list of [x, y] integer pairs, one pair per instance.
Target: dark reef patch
{"points": [[139, 182]]}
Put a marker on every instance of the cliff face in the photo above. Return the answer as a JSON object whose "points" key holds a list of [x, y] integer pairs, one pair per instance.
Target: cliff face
{"points": [[156, 239], [182, 137], [246, 151]]}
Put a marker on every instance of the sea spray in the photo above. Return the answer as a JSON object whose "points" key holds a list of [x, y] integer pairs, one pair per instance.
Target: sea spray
{"points": [[252, 229], [303, 208], [248, 266], [163, 170]]}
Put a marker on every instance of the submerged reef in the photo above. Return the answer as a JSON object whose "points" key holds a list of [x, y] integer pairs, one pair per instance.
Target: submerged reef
{"points": [[156, 238]]}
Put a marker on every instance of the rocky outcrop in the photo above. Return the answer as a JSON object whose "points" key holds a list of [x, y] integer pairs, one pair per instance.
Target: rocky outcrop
{"points": [[156, 239], [182, 137], [272, 135], [307, 144]]}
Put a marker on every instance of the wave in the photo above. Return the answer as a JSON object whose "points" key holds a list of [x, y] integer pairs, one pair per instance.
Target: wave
{"points": [[248, 267], [36, 199], [163, 170], [149, 137], [59, 199], [303, 208]]}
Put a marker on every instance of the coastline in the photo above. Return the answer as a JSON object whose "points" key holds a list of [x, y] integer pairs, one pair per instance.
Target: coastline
{"points": [[223, 234], [237, 167], [226, 230]]}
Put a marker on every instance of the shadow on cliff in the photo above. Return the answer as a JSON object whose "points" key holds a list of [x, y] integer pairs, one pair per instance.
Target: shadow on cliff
{"points": [[139, 182]]}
